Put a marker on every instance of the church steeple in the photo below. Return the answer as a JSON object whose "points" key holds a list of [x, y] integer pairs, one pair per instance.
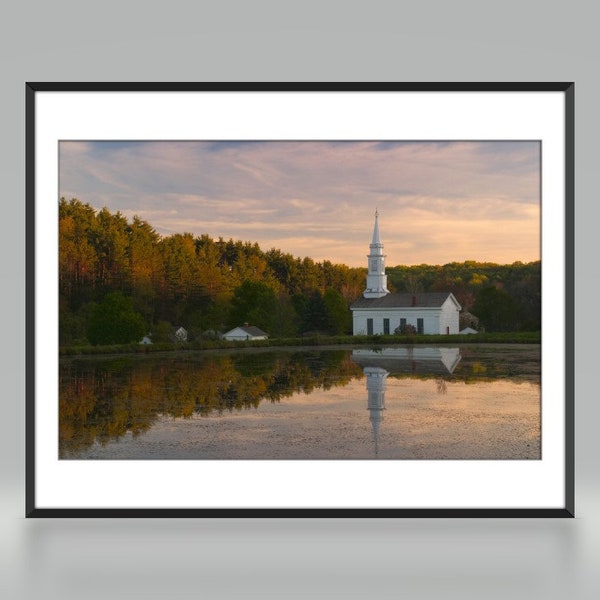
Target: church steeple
{"points": [[376, 277]]}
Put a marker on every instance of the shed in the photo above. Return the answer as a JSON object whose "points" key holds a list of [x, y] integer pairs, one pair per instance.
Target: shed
{"points": [[245, 332], [178, 334], [467, 331]]}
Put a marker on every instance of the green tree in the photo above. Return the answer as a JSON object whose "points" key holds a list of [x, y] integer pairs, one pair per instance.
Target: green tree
{"points": [[114, 321], [315, 316], [287, 320], [495, 309], [338, 314], [160, 332], [255, 303]]}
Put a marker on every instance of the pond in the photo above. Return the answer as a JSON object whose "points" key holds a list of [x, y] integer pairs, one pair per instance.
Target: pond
{"points": [[401, 402]]}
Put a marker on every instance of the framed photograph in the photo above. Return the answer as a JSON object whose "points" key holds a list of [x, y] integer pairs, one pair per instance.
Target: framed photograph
{"points": [[300, 300]]}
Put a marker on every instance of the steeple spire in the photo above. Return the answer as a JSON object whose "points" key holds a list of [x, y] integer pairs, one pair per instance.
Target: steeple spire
{"points": [[376, 277], [376, 238]]}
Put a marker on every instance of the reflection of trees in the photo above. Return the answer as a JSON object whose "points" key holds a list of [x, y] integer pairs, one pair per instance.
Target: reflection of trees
{"points": [[101, 400], [102, 404], [483, 363], [490, 363]]}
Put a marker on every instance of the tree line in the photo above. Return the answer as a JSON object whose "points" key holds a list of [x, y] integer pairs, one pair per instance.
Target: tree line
{"points": [[118, 278]]}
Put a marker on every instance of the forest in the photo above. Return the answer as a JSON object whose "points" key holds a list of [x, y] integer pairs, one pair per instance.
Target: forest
{"points": [[120, 280]]}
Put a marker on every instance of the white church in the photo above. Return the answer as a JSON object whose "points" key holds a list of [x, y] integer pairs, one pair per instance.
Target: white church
{"points": [[378, 311]]}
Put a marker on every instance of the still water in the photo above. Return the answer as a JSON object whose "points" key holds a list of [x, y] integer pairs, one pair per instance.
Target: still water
{"points": [[402, 402]]}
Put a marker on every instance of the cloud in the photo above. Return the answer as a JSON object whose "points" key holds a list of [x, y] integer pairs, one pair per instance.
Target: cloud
{"points": [[438, 201]]}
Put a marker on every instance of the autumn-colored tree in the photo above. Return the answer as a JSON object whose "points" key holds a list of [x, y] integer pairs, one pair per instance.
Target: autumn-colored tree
{"points": [[77, 257], [146, 267]]}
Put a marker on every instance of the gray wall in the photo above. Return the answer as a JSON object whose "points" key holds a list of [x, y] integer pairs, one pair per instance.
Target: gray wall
{"points": [[303, 41]]}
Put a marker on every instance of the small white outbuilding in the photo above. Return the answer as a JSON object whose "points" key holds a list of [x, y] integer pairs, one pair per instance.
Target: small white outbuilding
{"points": [[467, 331], [245, 332], [178, 334]]}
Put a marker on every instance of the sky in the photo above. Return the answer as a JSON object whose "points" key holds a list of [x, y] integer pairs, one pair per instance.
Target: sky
{"points": [[438, 202]]}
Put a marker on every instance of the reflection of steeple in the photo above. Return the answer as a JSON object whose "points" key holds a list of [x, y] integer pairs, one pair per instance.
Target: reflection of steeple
{"points": [[376, 384], [378, 364]]}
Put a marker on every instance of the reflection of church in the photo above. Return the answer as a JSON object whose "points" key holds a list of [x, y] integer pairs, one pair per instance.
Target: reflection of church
{"points": [[378, 364]]}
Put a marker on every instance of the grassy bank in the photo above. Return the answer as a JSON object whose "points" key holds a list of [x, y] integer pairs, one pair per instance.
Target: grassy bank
{"points": [[321, 340]]}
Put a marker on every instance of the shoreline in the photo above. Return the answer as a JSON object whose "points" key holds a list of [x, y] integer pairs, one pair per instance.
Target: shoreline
{"points": [[194, 350]]}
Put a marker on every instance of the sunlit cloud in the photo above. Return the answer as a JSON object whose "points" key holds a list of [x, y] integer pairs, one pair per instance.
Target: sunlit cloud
{"points": [[438, 201]]}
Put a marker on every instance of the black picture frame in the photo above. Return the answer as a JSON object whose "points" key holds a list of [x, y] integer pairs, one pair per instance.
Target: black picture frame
{"points": [[33, 356]]}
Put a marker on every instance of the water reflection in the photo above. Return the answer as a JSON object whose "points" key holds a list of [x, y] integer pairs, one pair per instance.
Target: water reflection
{"points": [[410, 360], [129, 399], [101, 400], [378, 364], [376, 383]]}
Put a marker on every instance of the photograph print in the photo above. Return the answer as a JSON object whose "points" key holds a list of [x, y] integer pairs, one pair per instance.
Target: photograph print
{"points": [[231, 300]]}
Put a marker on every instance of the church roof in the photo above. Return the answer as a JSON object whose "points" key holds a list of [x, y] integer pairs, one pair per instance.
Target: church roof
{"points": [[404, 300]]}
